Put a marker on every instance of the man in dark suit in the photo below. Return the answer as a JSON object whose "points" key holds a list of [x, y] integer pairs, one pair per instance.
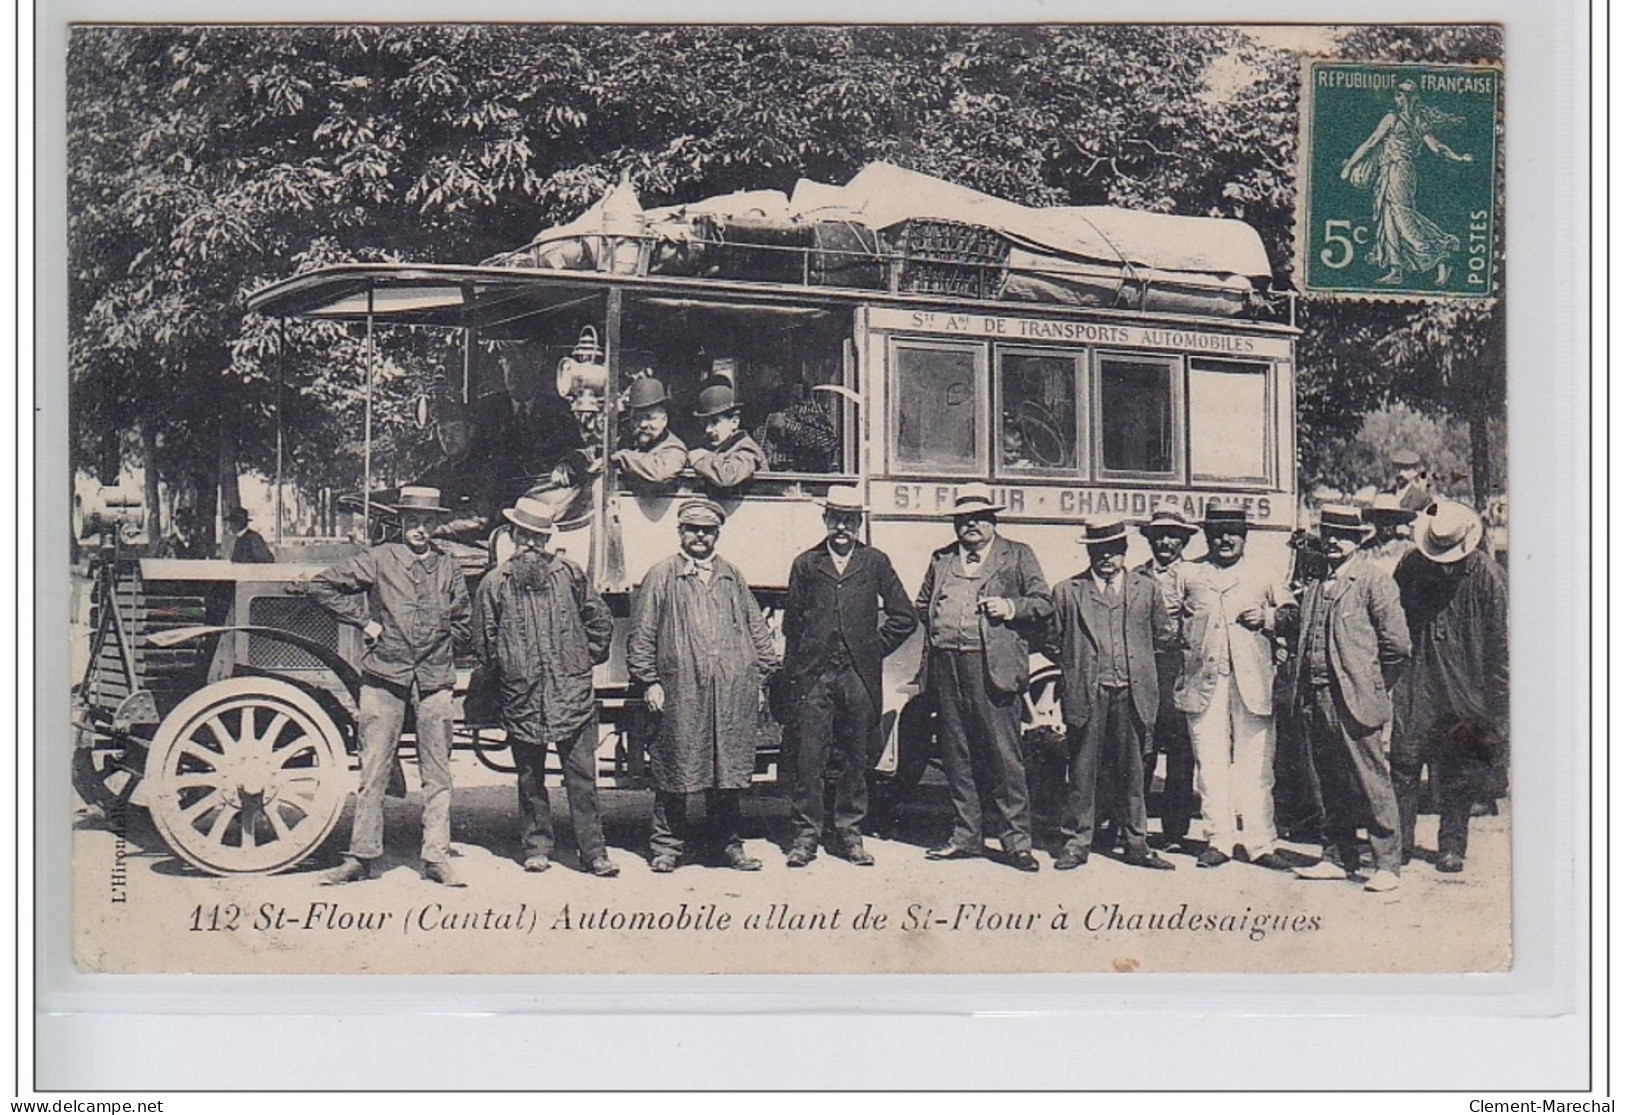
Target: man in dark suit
{"points": [[1352, 641], [248, 544], [845, 612], [522, 432], [1107, 626], [983, 598]]}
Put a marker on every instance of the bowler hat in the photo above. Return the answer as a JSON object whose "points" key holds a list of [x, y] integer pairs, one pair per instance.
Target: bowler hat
{"points": [[1168, 520], [531, 514], [237, 515], [1345, 519], [420, 499], [646, 391], [1097, 532], [843, 497], [1449, 533], [1225, 517], [974, 499], [701, 513], [715, 398]]}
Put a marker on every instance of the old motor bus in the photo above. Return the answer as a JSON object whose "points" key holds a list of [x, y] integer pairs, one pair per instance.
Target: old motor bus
{"points": [[1082, 362]]}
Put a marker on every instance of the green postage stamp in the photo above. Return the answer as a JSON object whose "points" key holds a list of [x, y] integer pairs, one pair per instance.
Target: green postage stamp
{"points": [[1398, 180]]}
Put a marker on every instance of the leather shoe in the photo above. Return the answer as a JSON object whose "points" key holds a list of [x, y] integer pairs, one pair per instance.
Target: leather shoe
{"points": [[537, 864], [443, 874], [740, 861], [1450, 863], [1273, 861], [952, 851], [1212, 857], [1148, 859], [800, 856], [1023, 861], [352, 870], [854, 852], [663, 865], [603, 867], [1071, 859]]}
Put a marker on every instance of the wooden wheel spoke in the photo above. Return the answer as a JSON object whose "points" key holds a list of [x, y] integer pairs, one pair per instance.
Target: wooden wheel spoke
{"points": [[218, 829], [222, 734], [267, 739], [212, 758], [202, 805], [273, 814], [191, 780]]}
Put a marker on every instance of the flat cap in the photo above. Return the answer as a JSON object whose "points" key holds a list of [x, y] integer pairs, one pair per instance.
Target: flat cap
{"points": [[701, 513]]}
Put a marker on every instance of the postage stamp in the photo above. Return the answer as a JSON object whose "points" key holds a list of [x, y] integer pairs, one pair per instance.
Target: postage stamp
{"points": [[1398, 180]]}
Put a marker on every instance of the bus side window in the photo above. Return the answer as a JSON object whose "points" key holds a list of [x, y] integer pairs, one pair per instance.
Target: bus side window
{"points": [[1136, 415], [936, 397], [1230, 417], [1038, 409]]}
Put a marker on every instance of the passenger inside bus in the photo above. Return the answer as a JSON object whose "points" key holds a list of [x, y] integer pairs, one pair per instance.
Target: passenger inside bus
{"points": [[730, 456], [1039, 413], [797, 434], [654, 456]]}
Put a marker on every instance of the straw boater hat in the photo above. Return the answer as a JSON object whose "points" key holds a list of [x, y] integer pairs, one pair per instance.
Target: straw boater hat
{"points": [[1168, 521], [717, 398], [1343, 518], [530, 514], [1385, 509], [1405, 458], [844, 497], [1226, 517], [1098, 532], [974, 499], [646, 391], [701, 513], [420, 499], [1450, 533]]}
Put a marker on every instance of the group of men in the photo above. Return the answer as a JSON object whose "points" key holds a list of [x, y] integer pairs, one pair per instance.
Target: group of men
{"points": [[1386, 669], [185, 540]]}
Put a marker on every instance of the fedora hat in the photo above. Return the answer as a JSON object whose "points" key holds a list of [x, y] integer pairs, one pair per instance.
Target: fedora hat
{"points": [[701, 513], [1166, 521], [844, 497], [420, 499], [646, 391], [974, 499], [237, 515], [530, 514], [1449, 533], [1345, 519], [1229, 517], [1097, 532], [715, 398], [1385, 508]]}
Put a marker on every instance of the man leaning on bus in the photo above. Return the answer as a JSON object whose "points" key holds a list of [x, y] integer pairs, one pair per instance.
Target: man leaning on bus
{"points": [[411, 603], [982, 598]]}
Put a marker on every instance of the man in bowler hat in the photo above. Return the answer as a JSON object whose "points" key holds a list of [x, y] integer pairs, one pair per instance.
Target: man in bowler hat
{"points": [[655, 457], [730, 456]]}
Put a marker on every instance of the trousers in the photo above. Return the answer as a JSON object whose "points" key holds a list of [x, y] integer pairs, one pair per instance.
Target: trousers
{"points": [[1172, 738], [1355, 787], [980, 735], [1466, 760], [836, 714], [1107, 750], [1235, 772], [382, 714], [578, 757], [674, 832]]}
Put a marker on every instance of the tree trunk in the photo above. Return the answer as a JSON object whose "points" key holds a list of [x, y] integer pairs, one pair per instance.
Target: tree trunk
{"points": [[1478, 429], [149, 484]]}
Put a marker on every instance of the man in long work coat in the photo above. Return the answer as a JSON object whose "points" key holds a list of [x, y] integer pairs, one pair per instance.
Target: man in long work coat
{"points": [[700, 649], [845, 612], [1168, 533], [1451, 705], [1352, 641], [543, 627], [983, 597], [1107, 625]]}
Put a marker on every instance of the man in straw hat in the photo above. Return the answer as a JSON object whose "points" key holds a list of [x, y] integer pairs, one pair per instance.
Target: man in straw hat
{"points": [[655, 457], [700, 649], [844, 613], [1231, 605], [1352, 642], [540, 624], [1103, 634], [1451, 703], [411, 603], [983, 597], [1391, 531], [1411, 486], [730, 456], [1168, 533]]}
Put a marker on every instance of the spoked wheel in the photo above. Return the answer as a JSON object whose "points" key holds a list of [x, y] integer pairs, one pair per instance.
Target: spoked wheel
{"points": [[1043, 743], [106, 772], [247, 775]]}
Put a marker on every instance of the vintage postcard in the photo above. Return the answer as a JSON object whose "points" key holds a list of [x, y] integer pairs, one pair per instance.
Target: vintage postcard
{"points": [[788, 499]]}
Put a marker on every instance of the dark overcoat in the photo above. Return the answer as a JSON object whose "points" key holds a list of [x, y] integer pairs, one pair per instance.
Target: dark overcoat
{"points": [[865, 607], [1077, 634], [1013, 573], [1367, 642], [709, 648]]}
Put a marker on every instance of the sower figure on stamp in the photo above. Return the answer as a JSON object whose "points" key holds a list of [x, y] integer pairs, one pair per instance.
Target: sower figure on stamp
{"points": [[1352, 642], [1230, 605], [981, 597], [845, 612], [542, 627], [411, 603], [1104, 634], [700, 649], [1451, 703], [1168, 533]]}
